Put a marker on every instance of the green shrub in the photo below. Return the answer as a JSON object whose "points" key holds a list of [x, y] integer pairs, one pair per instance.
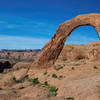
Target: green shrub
{"points": [[60, 77], [52, 91], [16, 81], [45, 73], [34, 81], [69, 98], [54, 75], [18, 68], [95, 67], [46, 83]]}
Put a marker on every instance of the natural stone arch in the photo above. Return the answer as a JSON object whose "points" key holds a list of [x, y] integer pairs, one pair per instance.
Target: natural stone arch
{"points": [[53, 48]]}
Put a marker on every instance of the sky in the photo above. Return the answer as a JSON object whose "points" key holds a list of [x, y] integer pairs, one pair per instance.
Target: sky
{"points": [[29, 24]]}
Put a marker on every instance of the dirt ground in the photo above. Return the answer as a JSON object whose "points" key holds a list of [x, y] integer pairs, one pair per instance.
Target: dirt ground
{"points": [[74, 80]]}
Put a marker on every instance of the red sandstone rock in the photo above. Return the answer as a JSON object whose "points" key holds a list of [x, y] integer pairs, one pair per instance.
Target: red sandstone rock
{"points": [[53, 48]]}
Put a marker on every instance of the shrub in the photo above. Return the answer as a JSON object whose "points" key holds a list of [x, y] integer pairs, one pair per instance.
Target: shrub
{"points": [[18, 68], [34, 81], [73, 68], [16, 81], [22, 87], [46, 83], [52, 91], [54, 75], [45, 73], [69, 98], [60, 77], [95, 67]]}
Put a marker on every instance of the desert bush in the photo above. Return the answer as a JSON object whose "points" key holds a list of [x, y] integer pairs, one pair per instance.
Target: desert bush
{"points": [[73, 68], [95, 67], [34, 81], [60, 77], [52, 91], [16, 81], [69, 98], [45, 73], [54, 75], [46, 83]]}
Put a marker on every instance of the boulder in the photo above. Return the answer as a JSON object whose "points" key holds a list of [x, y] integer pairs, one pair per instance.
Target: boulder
{"points": [[20, 74]]}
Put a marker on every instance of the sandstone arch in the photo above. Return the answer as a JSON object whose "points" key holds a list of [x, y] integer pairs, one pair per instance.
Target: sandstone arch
{"points": [[52, 49]]}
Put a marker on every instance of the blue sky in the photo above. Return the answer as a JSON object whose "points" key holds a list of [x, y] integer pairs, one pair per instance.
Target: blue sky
{"points": [[29, 24]]}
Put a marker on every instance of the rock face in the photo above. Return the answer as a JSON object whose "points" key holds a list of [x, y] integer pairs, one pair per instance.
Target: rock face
{"points": [[53, 48], [88, 52], [19, 55]]}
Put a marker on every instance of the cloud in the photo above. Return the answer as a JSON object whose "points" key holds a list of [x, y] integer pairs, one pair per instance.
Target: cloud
{"points": [[15, 42], [17, 33], [18, 42]]}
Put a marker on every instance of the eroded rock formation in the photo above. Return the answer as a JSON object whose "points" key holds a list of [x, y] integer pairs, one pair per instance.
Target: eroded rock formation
{"points": [[53, 48], [88, 52]]}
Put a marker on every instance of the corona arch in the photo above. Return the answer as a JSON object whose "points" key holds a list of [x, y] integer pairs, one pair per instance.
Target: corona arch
{"points": [[53, 48]]}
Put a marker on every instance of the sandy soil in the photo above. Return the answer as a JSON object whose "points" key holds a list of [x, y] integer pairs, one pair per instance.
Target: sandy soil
{"points": [[77, 79]]}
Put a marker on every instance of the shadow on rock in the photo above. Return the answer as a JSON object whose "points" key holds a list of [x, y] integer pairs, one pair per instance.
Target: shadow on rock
{"points": [[5, 65]]}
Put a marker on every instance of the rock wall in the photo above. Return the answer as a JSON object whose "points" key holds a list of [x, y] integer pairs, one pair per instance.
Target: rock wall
{"points": [[53, 48], [17, 56], [88, 52]]}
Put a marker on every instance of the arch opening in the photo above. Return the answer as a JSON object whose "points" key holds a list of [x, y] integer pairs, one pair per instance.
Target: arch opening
{"points": [[82, 35]]}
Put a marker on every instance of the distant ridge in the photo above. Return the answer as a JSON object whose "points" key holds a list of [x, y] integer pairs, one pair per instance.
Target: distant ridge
{"points": [[20, 50]]}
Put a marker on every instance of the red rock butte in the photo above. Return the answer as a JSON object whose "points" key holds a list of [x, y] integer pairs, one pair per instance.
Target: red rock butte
{"points": [[52, 49]]}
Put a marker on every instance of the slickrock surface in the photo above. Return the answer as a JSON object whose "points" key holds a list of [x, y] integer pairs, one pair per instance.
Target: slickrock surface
{"points": [[90, 51], [76, 71], [78, 79]]}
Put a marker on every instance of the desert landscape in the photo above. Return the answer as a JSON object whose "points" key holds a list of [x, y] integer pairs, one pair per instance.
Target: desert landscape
{"points": [[49, 49], [75, 75]]}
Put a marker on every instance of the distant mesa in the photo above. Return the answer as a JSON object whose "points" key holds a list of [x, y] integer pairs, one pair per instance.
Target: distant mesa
{"points": [[19, 55], [53, 48], [15, 50]]}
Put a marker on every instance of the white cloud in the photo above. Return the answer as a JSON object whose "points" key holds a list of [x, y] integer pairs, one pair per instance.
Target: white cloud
{"points": [[15, 42]]}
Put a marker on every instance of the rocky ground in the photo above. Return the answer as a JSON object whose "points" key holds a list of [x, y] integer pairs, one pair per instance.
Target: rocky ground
{"points": [[75, 76]]}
